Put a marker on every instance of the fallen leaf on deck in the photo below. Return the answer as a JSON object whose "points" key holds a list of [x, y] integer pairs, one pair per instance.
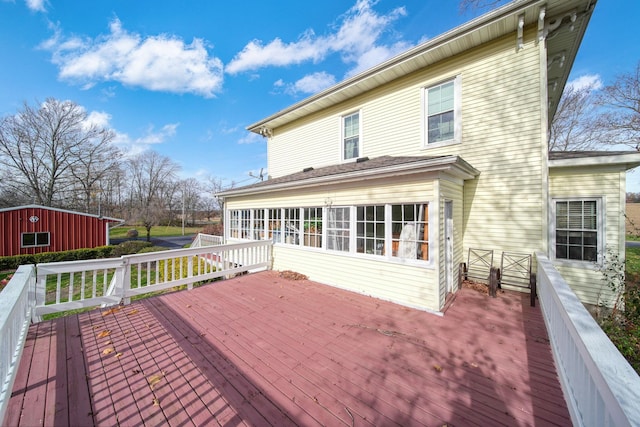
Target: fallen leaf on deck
{"points": [[108, 350], [438, 368], [118, 355], [188, 305], [156, 402], [111, 311], [104, 333], [155, 379], [132, 312]]}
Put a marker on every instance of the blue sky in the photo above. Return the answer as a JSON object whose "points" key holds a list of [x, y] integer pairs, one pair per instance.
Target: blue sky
{"points": [[185, 78]]}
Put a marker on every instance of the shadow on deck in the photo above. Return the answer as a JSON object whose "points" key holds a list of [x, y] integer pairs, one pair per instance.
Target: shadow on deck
{"points": [[263, 350]]}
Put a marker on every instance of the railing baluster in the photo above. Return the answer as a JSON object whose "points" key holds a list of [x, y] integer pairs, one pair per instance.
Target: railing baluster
{"points": [[58, 286]]}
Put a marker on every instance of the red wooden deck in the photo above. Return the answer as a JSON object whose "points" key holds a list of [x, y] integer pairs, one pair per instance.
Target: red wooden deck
{"points": [[263, 350]]}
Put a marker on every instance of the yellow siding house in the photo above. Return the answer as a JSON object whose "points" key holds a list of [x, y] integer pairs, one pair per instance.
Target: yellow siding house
{"points": [[382, 183]]}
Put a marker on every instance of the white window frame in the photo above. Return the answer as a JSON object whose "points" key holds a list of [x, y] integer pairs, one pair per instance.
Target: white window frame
{"points": [[342, 136], [36, 236], [457, 116], [335, 229], [600, 230]]}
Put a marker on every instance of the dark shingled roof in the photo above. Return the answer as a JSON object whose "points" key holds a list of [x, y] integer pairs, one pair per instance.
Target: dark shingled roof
{"points": [[362, 164]]}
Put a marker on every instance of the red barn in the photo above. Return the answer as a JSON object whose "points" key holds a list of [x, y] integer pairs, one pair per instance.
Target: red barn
{"points": [[33, 229]]}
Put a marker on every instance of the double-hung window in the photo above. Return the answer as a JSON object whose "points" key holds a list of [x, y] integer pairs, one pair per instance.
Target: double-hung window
{"points": [[351, 136], [338, 226], [312, 227], [258, 224], [442, 111], [577, 230], [410, 231], [370, 229]]}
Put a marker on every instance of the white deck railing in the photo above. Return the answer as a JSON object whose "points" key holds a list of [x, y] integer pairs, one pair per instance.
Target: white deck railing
{"points": [[63, 286], [600, 387], [207, 240], [16, 304], [40, 289]]}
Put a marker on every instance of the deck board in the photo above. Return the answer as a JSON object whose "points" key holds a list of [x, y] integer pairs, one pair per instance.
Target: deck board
{"points": [[262, 350]]}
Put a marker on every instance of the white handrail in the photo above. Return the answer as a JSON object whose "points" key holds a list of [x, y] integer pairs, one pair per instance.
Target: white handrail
{"points": [[207, 240], [16, 303], [81, 284], [600, 387]]}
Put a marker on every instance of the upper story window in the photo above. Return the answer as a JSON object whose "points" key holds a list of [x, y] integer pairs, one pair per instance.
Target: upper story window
{"points": [[577, 234], [442, 112], [351, 136]]}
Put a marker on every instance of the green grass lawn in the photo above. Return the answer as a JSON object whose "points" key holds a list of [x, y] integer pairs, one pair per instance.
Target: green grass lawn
{"points": [[157, 231]]}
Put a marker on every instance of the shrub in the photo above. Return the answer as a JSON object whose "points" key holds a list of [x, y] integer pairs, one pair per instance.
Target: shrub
{"points": [[13, 262], [214, 229], [130, 247]]}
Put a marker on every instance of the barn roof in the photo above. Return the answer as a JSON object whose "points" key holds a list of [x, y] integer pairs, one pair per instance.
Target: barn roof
{"points": [[105, 218]]}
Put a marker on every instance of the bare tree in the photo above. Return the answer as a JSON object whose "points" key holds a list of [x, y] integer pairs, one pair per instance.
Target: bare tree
{"points": [[191, 193], [466, 5], [575, 125], [41, 146], [150, 175], [213, 186], [622, 103]]}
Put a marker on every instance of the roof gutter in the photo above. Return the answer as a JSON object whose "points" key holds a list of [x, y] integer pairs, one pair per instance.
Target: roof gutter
{"points": [[629, 161]]}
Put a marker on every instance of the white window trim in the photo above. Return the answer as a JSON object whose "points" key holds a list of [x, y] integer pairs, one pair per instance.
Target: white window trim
{"points": [[352, 252], [457, 114], [600, 229], [35, 236], [360, 138]]}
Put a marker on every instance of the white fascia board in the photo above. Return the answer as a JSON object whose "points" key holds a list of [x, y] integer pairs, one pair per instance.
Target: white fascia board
{"points": [[628, 161]]}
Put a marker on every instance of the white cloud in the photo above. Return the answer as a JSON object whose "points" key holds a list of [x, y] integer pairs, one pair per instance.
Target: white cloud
{"points": [[153, 137], [354, 39], [99, 119], [36, 5], [592, 81], [160, 63], [311, 83], [251, 138]]}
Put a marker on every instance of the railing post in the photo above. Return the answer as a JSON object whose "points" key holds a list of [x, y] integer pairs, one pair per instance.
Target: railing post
{"points": [[189, 270], [40, 294]]}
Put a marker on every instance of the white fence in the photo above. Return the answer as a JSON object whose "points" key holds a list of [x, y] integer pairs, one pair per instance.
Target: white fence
{"points": [[16, 304], [600, 386]]}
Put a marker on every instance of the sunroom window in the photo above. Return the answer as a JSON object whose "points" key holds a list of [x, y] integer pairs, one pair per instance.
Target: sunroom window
{"points": [[338, 225], [576, 230], [370, 229], [410, 231], [291, 227], [312, 227]]}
